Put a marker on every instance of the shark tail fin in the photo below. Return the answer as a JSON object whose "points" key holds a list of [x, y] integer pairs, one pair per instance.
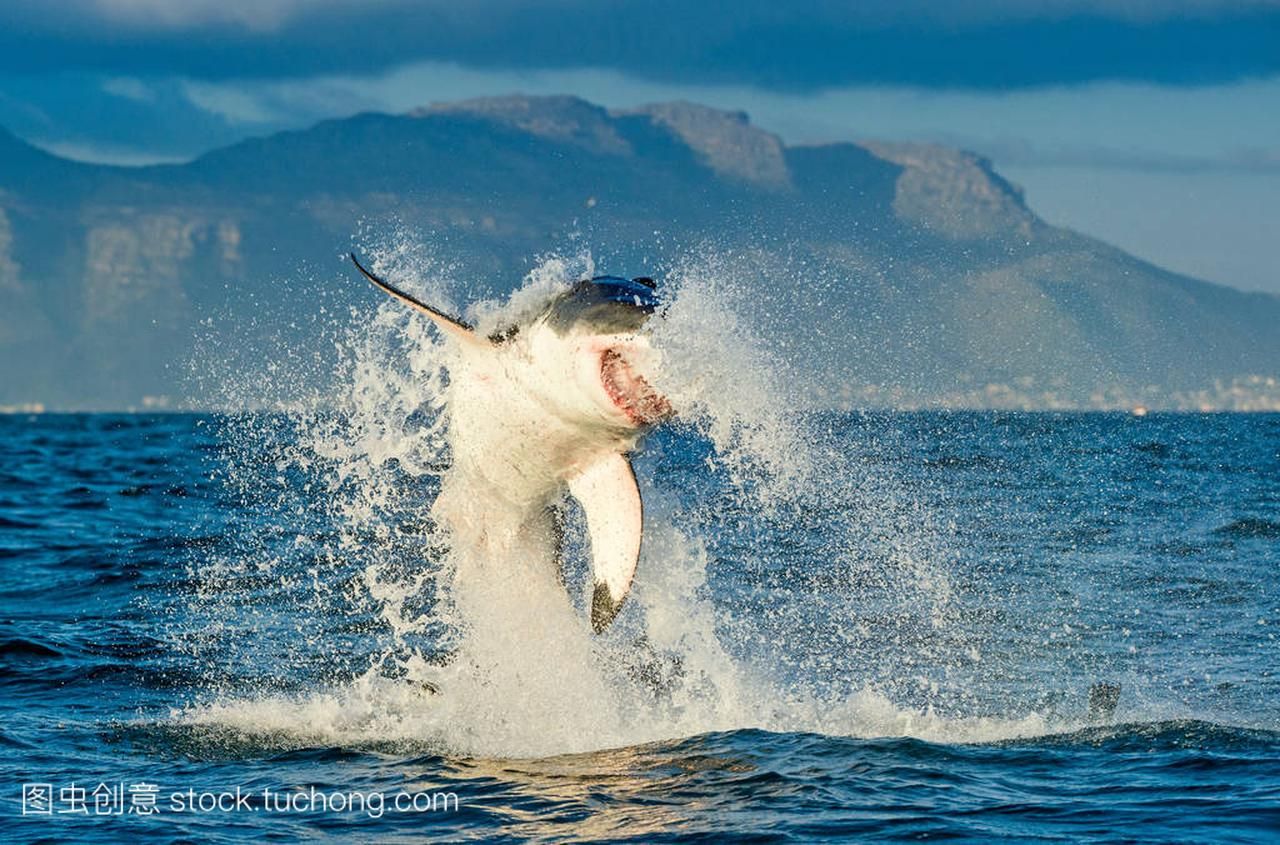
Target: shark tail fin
{"points": [[449, 325], [607, 491]]}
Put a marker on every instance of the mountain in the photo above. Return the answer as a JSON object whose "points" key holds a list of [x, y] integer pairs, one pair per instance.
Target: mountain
{"points": [[903, 274]]}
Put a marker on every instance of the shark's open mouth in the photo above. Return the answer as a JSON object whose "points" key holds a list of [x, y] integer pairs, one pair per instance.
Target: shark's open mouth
{"points": [[630, 392]]}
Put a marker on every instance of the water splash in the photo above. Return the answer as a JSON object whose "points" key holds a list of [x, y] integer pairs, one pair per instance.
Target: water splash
{"points": [[506, 665]]}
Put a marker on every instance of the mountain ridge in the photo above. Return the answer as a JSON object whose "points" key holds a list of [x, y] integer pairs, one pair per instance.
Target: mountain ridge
{"points": [[937, 280]]}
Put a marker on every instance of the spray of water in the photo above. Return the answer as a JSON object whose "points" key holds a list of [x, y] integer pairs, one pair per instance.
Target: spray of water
{"points": [[396, 646]]}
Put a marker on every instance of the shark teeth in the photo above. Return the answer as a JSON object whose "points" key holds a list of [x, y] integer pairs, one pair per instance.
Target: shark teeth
{"points": [[630, 392]]}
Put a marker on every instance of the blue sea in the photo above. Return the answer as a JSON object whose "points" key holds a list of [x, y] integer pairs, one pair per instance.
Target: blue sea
{"points": [[235, 628]]}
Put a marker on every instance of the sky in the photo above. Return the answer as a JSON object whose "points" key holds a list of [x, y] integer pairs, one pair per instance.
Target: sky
{"points": [[1152, 124]]}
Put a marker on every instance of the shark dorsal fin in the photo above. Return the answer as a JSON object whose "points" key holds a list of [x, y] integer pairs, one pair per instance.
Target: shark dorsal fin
{"points": [[607, 491], [449, 325]]}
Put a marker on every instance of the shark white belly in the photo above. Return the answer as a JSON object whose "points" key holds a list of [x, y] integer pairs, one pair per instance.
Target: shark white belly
{"points": [[553, 405]]}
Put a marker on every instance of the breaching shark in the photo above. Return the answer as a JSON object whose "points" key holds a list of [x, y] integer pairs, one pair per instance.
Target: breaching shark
{"points": [[555, 403]]}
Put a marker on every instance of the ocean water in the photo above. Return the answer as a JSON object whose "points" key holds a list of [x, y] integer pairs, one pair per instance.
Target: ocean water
{"points": [[873, 626], [179, 610]]}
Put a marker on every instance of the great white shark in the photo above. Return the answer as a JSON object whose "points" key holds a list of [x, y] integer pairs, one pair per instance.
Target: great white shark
{"points": [[554, 404]]}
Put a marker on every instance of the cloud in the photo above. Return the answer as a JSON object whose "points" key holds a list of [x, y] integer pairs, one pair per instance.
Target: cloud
{"points": [[264, 16], [123, 156], [1009, 152], [234, 105], [129, 88], [112, 119], [805, 45], [268, 15]]}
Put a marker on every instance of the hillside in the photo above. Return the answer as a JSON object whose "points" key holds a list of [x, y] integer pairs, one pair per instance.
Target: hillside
{"points": [[909, 274]]}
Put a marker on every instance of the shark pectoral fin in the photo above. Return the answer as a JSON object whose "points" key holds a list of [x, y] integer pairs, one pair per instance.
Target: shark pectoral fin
{"points": [[449, 325], [607, 491]]}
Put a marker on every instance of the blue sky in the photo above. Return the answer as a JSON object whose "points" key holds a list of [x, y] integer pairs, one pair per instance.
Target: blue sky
{"points": [[1154, 124]]}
